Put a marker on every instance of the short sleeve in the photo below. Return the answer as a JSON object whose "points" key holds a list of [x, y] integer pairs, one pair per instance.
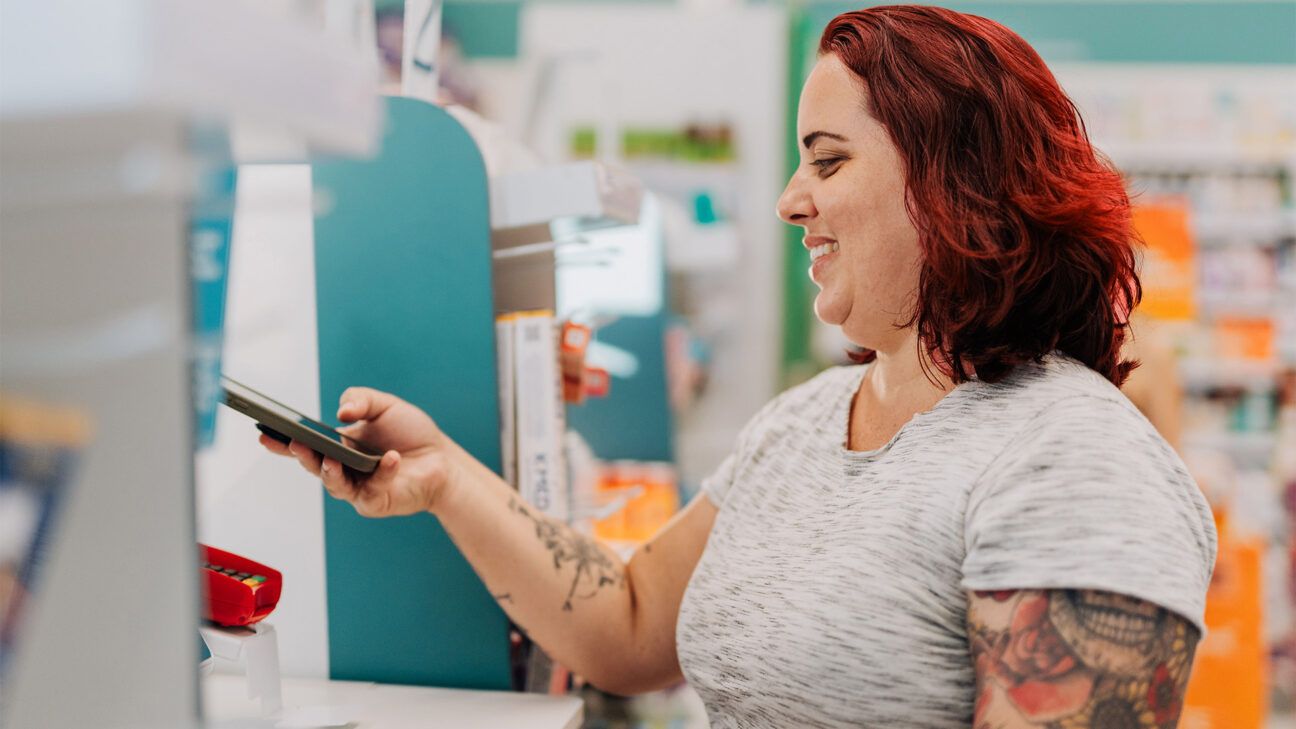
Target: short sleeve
{"points": [[1089, 496], [716, 486]]}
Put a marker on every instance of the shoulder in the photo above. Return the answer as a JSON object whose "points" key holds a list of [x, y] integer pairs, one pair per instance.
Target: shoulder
{"points": [[822, 391], [1056, 377], [1072, 425], [1080, 449], [1063, 402]]}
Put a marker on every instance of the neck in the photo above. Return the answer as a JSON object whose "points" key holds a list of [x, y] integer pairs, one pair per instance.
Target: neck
{"points": [[905, 371]]}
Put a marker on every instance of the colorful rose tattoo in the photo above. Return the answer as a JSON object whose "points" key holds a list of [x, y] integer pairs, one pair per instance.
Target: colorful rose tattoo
{"points": [[1068, 659]]}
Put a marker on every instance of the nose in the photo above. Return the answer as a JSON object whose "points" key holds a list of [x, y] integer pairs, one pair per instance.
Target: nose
{"points": [[795, 206]]}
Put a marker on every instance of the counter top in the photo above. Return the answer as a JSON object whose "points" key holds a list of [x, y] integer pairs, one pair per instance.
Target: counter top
{"points": [[319, 703]]}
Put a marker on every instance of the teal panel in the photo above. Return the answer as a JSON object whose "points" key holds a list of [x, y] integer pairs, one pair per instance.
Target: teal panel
{"points": [[210, 225], [1133, 32], [490, 28], [484, 29], [634, 420], [402, 266]]}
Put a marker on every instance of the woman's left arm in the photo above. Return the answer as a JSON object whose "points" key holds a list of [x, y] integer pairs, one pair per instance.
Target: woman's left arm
{"points": [[1077, 658]]}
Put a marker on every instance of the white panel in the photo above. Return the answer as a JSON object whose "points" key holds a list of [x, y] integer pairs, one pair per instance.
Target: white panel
{"points": [[251, 502], [680, 65], [92, 316], [176, 55]]}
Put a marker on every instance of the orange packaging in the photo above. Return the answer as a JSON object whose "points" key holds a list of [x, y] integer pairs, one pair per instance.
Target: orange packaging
{"points": [[1227, 689], [1245, 338], [644, 514], [1168, 273], [573, 342]]}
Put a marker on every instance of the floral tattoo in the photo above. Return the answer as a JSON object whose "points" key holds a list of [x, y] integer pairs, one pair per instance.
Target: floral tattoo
{"points": [[593, 569], [1072, 659]]}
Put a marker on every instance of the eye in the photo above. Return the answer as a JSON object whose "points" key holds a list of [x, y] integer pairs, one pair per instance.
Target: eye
{"points": [[827, 164]]}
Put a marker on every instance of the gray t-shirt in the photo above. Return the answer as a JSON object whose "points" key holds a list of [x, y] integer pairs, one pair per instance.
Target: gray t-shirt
{"points": [[832, 590]]}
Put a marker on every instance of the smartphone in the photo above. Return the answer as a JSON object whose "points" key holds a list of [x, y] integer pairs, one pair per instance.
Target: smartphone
{"points": [[285, 425]]}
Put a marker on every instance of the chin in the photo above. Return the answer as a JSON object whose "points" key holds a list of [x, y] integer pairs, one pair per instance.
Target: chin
{"points": [[830, 311]]}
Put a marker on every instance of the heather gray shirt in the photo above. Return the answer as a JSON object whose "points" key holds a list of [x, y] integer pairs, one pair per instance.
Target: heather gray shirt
{"points": [[832, 590]]}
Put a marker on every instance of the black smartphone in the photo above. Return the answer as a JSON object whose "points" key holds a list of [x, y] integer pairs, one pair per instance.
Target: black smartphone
{"points": [[285, 425]]}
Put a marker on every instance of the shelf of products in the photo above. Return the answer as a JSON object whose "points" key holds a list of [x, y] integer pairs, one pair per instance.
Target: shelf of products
{"points": [[1217, 147]]}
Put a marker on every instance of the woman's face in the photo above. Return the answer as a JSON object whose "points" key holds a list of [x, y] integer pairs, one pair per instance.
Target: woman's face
{"points": [[848, 194]]}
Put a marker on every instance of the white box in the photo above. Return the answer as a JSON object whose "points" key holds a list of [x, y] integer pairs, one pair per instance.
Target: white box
{"points": [[542, 472]]}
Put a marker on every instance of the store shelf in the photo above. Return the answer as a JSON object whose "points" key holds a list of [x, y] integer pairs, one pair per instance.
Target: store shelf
{"points": [[1249, 304], [1259, 227], [1188, 156], [545, 204], [1202, 374], [1246, 447]]}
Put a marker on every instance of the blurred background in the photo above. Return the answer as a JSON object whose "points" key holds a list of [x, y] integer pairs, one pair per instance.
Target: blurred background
{"points": [[177, 179]]}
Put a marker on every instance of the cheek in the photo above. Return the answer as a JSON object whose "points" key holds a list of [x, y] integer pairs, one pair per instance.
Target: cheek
{"points": [[883, 255], [890, 281]]}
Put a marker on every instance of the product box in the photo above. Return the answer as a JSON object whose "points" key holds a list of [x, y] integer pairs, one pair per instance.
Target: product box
{"points": [[504, 332], [539, 415]]}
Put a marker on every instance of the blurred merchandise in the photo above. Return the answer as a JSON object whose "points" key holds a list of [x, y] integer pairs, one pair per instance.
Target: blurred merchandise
{"points": [[1169, 264], [1227, 688], [538, 412], [1282, 618], [573, 342], [38, 452], [695, 142], [1210, 158], [656, 502]]}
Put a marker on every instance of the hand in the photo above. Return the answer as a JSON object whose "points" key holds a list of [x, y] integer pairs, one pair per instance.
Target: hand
{"points": [[415, 472]]}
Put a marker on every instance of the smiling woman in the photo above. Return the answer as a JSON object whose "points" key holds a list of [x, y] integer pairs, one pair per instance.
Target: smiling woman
{"points": [[976, 527], [966, 148]]}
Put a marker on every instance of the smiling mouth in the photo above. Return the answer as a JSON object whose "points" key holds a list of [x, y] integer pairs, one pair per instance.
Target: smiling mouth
{"points": [[820, 251]]}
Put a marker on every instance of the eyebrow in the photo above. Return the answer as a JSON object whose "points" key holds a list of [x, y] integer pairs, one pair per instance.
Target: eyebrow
{"points": [[812, 136]]}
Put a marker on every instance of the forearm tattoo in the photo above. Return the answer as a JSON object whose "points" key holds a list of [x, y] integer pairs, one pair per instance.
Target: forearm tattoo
{"points": [[594, 570], [1066, 659]]}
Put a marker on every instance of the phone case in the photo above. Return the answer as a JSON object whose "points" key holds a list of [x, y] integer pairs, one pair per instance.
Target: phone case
{"points": [[284, 430]]}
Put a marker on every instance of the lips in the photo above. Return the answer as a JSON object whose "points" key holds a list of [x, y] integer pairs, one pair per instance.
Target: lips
{"points": [[814, 241], [822, 250]]}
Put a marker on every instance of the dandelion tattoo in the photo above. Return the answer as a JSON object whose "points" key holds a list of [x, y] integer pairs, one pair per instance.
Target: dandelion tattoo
{"points": [[593, 569]]}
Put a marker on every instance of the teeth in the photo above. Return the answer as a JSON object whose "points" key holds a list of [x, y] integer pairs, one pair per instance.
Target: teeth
{"points": [[823, 250]]}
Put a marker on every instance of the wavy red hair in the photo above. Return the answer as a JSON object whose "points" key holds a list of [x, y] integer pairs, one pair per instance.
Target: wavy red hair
{"points": [[1026, 232]]}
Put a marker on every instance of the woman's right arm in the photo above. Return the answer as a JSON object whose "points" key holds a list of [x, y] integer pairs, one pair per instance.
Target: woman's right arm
{"points": [[609, 621]]}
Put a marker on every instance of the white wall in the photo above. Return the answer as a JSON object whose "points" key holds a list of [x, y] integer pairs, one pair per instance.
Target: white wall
{"points": [[666, 66], [251, 502]]}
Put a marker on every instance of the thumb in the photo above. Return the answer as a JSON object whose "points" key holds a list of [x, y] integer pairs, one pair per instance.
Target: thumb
{"points": [[363, 403]]}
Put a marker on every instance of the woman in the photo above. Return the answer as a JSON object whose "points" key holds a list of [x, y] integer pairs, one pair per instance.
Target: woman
{"points": [[976, 527]]}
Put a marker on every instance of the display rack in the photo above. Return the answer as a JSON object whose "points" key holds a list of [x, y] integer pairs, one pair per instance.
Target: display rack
{"points": [[403, 289], [1218, 142]]}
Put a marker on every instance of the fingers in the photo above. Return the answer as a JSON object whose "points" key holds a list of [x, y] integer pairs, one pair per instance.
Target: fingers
{"points": [[274, 446], [374, 496], [335, 478], [363, 403], [336, 481], [351, 429], [309, 459], [371, 496]]}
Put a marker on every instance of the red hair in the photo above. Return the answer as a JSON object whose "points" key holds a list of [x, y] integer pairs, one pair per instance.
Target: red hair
{"points": [[1026, 235]]}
